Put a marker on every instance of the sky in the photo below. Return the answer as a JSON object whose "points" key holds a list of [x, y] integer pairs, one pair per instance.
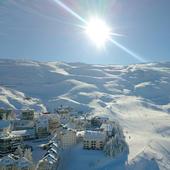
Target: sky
{"points": [[43, 30]]}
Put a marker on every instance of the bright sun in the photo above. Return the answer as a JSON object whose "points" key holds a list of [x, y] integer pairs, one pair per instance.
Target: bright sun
{"points": [[98, 31]]}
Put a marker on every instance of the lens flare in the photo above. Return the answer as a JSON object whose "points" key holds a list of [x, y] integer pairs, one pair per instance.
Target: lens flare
{"points": [[99, 32], [135, 56], [69, 10]]}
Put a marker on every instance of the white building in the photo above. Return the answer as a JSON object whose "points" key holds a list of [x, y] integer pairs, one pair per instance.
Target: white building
{"points": [[64, 113], [42, 127], [27, 115], [8, 142], [67, 138], [107, 128], [7, 114], [25, 134], [78, 123], [51, 159], [23, 124], [102, 119], [53, 121], [94, 140]]}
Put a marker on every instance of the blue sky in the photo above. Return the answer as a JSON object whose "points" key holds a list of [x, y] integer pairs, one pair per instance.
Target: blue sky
{"points": [[42, 30]]}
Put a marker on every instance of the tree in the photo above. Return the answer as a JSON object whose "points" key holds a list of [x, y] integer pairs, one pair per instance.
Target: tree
{"points": [[44, 165], [28, 154], [19, 151], [4, 116], [115, 146]]}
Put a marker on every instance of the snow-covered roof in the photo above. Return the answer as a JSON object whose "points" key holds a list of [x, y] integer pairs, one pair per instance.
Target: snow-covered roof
{"points": [[28, 111], [7, 136], [80, 133], [66, 130], [53, 154], [107, 127], [94, 135], [102, 118], [50, 158], [7, 160], [53, 150], [4, 124], [23, 132], [54, 146]]}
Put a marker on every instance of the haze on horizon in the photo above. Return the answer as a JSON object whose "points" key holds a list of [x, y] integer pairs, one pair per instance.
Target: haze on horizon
{"points": [[43, 30]]}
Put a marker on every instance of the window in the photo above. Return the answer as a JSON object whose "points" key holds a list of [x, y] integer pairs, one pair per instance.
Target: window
{"points": [[9, 167], [25, 168]]}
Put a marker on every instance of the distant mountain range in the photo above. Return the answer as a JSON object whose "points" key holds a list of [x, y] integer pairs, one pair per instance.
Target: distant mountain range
{"points": [[42, 85]]}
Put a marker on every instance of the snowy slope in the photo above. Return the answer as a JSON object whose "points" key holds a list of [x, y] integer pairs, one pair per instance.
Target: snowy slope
{"points": [[17, 100], [86, 85], [136, 95]]}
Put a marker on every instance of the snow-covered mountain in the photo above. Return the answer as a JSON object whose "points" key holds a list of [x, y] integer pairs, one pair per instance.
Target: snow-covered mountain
{"points": [[83, 86], [136, 95]]}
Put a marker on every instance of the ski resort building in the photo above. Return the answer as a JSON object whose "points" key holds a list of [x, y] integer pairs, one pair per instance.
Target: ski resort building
{"points": [[27, 115], [51, 158], [64, 110], [25, 134], [67, 138], [53, 121], [94, 140], [64, 114], [23, 124], [102, 119], [6, 114], [42, 127], [49, 162], [97, 121], [107, 128], [8, 142]]}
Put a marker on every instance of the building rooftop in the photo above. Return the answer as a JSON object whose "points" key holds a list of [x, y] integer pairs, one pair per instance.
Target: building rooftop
{"points": [[50, 158], [107, 126], [54, 146], [23, 132], [94, 135], [101, 118]]}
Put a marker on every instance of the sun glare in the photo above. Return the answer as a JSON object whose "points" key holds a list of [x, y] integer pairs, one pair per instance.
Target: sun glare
{"points": [[98, 31]]}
